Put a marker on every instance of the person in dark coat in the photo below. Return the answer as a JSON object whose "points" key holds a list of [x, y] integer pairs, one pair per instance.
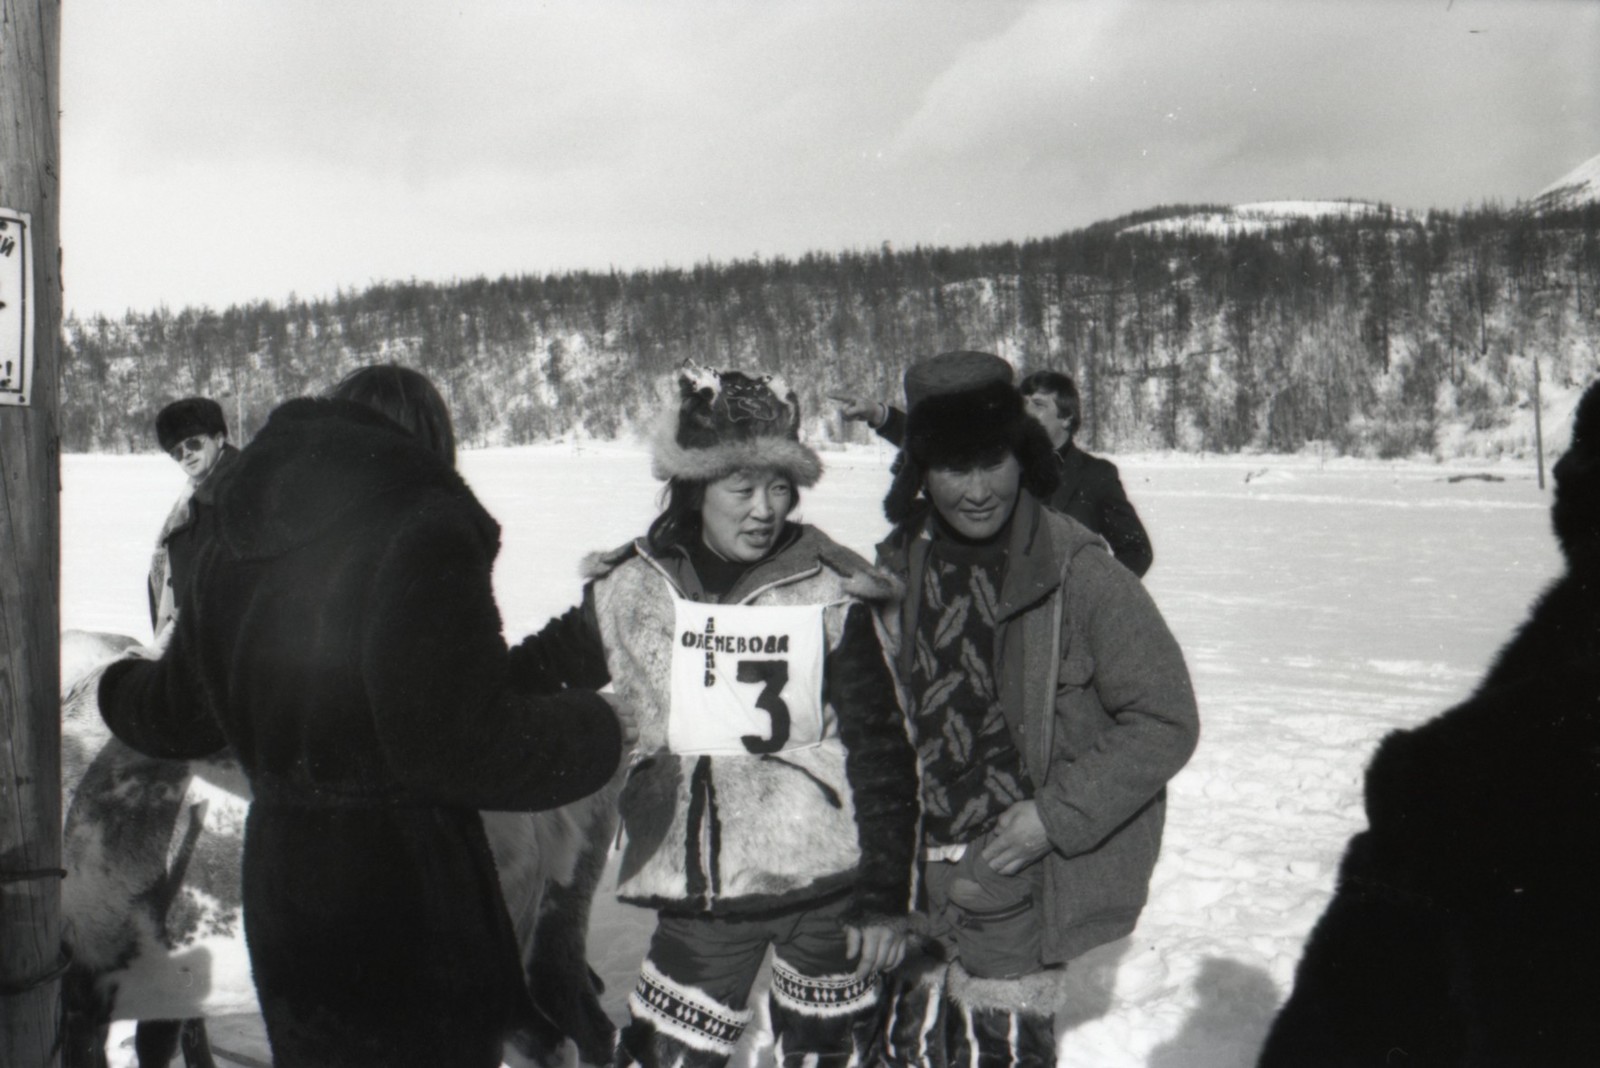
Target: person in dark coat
{"points": [[1088, 488], [1463, 928], [1051, 706], [194, 433], [341, 636]]}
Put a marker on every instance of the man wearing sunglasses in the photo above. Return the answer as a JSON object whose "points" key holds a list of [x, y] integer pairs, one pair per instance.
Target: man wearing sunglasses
{"points": [[193, 432]]}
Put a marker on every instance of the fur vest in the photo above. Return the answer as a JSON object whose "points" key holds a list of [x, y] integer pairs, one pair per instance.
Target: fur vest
{"points": [[738, 833]]}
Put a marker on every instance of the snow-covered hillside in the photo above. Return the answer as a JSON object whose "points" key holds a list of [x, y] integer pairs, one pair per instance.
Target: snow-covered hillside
{"points": [[1576, 188], [1260, 217]]}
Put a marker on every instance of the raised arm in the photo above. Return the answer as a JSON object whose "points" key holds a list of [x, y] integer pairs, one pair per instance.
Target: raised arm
{"points": [[158, 707], [567, 653], [889, 422], [437, 674]]}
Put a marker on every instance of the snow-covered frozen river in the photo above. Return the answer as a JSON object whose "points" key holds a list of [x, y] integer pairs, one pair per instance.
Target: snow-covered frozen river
{"points": [[1320, 605]]}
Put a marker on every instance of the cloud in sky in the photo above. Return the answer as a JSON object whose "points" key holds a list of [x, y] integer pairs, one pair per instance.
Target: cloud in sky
{"points": [[222, 152]]}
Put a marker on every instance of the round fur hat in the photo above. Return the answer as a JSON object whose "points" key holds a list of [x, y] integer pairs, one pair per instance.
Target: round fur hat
{"points": [[188, 418], [727, 421], [953, 372], [961, 408]]}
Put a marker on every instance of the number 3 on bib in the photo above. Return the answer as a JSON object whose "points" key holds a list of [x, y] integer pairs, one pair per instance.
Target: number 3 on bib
{"points": [[773, 676], [746, 679]]}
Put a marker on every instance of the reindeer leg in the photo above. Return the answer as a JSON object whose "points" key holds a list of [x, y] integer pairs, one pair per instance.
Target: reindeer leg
{"points": [[155, 1042], [85, 1021], [562, 984], [197, 1044]]}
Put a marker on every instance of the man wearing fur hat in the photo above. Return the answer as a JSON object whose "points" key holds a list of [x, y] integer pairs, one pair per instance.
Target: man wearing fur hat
{"points": [[1051, 704], [1089, 488], [774, 801], [193, 432]]}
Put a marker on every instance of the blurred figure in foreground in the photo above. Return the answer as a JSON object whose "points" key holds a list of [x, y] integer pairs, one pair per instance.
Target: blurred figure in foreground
{"points": [[1088, 488], [1463, 930], [194, 433], [340, 634]]}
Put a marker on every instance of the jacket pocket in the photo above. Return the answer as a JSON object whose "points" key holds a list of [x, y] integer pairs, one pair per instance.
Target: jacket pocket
{"points": [[1077, 668], [998, 922], [1079, 716], [1108, 882]]}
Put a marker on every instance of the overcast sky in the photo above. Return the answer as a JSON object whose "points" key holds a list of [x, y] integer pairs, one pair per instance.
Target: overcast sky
{"points": [[222, 151]]}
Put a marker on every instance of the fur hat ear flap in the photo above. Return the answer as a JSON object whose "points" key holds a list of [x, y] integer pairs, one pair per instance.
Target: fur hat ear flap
{"points": [[958, 429], [905, 486], [1041, 467]]}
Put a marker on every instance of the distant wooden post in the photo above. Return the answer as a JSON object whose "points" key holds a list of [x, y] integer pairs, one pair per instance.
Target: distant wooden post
{"points": [[30, 544], [1538, 421]]}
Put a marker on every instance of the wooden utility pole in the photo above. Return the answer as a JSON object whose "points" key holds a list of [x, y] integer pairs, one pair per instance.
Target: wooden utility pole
{"points": [[1538, 421], [31, 957]]}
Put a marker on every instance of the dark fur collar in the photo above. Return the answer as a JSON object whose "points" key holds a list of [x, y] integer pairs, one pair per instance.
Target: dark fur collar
{"points": [[317, 463]]}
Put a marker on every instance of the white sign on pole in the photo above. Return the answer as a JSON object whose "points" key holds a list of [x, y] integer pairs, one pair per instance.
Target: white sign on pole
{"points": [[16, 306]]}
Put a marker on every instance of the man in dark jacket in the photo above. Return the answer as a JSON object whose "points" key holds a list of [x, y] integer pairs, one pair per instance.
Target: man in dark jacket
{"points": [[194, 433], [1088, 489], [1463, 928], [341, 636], [1051, 704]]}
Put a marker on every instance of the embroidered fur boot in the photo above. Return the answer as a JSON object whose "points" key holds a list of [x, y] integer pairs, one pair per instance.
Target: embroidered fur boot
{"points": [[826, 1021], [912, 1035], [674, 1025], [998, 1023]]}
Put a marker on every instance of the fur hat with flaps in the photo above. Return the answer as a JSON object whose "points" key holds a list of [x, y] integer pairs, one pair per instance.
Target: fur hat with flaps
{"points": [[962, 409], [188, 418], [729, 421]]}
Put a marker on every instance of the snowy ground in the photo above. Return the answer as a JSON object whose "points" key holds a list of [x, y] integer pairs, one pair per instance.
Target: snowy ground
{"points": [[1320, 606]]}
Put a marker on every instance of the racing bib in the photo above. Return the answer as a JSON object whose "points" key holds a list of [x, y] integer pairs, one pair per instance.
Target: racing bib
{"points": [[746, 678]]}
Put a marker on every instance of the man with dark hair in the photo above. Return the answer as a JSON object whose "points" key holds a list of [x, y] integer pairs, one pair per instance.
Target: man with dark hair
{"points": [[1051, 706], [194, 433], [1089, 488]]}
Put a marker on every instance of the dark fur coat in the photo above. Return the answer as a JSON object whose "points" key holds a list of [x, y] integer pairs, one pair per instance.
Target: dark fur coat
{"points": [[1465, 928], [341, 636], [1091, 492]]}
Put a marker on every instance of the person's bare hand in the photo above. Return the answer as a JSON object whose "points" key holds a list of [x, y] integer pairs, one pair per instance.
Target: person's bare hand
{"points": [[1019, 839], [627, 719], [880, 947], [158, 647], [858, 408]]}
